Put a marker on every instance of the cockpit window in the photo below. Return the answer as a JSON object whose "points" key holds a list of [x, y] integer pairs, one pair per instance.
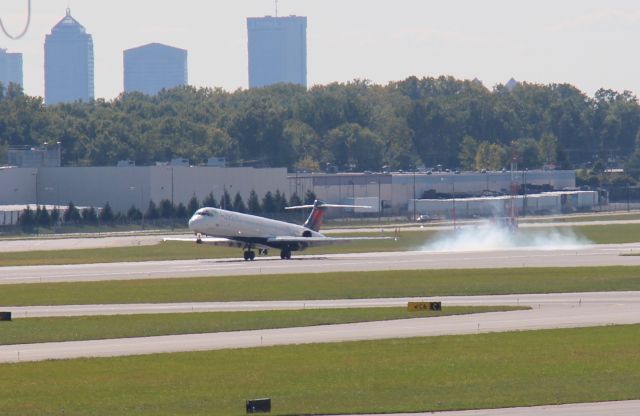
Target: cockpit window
{"points": [[204, 212]]}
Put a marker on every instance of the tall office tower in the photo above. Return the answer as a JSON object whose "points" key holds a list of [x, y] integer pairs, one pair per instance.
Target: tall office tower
{"points": [[277, 50], [152, 67], [68, 63], [10, 68]]}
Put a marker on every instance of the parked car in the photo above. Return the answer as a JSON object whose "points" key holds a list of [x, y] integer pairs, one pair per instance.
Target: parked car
{"points": [[423, 218]]}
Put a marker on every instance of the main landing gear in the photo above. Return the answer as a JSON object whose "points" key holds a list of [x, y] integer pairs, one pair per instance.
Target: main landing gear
{"points": [[285, 254], [249, 255]]}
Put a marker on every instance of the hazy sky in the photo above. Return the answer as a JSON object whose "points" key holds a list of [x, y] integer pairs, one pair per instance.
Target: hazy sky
{"points": [[589, 43]]}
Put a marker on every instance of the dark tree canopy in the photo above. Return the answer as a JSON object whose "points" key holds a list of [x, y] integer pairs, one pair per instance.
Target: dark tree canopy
{"points": [[355, 125]]}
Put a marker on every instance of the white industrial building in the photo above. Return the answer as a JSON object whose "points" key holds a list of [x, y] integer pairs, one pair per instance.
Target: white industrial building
{"points": [[123, 187], [534, 204], [393, 191], [126, 186]]}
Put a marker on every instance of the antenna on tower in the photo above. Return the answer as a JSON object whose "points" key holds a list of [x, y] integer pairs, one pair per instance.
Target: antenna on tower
{"points": [[26, 27], [276, 8]]}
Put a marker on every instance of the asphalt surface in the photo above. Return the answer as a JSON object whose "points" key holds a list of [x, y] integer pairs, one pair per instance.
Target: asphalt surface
{"points": [[548, 311], [557, 300], [586, 256], [570, 311], [621, 408], [150, 237]]}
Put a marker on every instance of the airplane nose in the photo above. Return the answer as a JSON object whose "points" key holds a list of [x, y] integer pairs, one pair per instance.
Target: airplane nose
{"points": [[192, 222]]}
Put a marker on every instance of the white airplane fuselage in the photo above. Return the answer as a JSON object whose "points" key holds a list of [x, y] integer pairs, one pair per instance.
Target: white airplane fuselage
{"points": [[217, 222]]}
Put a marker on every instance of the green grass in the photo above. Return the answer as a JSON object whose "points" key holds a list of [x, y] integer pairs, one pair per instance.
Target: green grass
{"points": [[340, 285], [34, 330], [404, 375]]}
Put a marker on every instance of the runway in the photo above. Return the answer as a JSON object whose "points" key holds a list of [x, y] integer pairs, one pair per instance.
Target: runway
{"points": [[566, 311], [620, 408], [586, 256], [558, 300]]}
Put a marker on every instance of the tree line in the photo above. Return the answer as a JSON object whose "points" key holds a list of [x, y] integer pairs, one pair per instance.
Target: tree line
{"points": [[347, 126], [271, 204]]}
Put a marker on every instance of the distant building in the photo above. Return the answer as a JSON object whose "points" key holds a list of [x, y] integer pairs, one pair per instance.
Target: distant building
{"points": [[277, 50], [35, 157], [10, 68], [150, 68], [511, 84], [68, 63]]}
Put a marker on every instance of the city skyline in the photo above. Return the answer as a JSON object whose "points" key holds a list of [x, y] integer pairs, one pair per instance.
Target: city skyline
{"points": [[584, 43], [277, 50], [68, 63], [152, 67]]}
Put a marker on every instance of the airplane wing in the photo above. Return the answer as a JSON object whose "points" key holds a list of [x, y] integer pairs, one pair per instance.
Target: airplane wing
{"points": [[214, 241], [321, 241], [301, 242]]}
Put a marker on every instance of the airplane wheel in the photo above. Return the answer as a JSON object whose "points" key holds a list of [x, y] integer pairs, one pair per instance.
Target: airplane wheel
{"points": [[285, 254], [246, 255], [282, 256], [252, 255]]}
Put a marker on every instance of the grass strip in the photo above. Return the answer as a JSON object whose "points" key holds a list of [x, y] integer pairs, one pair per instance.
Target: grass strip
{"points": [[408, 375], [337, 285], [408, 240], [33, 330]]}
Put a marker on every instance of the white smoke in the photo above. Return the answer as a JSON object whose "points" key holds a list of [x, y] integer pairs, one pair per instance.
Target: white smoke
{"points": [[489, 236]]}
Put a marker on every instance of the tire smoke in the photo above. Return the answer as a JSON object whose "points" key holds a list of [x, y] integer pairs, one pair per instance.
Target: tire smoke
{"points": [[490, 236]]}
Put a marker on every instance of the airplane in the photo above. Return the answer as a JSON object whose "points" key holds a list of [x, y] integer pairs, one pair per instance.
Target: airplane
{"points": [[249, 232]]}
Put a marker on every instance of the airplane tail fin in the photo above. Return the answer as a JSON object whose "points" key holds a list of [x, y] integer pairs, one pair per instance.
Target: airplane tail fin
{"points": [[318, 209]]}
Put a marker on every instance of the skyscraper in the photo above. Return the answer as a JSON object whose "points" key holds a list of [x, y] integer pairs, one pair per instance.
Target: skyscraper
{"points": [[277, 50], [10, 68], [68, 63], [152, 67]]}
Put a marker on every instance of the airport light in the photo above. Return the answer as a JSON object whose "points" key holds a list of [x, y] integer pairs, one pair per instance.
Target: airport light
{"points": [[414, 195]]}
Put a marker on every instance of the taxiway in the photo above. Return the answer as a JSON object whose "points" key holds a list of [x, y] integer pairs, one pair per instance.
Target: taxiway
{"points": [[585, 256], [568, 312]]}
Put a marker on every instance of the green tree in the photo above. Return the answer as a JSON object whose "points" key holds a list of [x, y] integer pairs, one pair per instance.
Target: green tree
{"points": [[352, 145], [225, 201], [134, 214], [166, 209], [483, 156], [548, 148], [295, 200], [280, 200], [253, 204], [106, 214], [55, 215], [468, 152], [194, 205], [89, 216], [181, 211], [27, 218], [152, 211], [238, 203], [498, 156], [269, 203], [208, 201], [528, 151], [71, 214], [42, 217], [309, 197]]}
